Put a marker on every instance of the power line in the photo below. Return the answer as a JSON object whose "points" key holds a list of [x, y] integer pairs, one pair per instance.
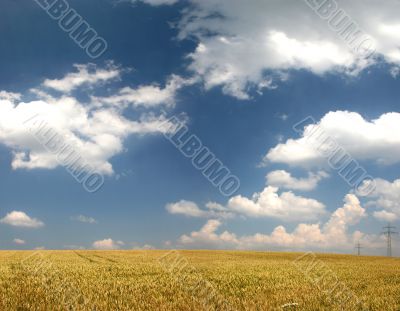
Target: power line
{"points": [[358, 247], [389, 233]]}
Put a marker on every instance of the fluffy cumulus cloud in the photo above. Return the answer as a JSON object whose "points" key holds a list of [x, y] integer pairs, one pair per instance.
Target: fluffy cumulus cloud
{"points": [[21, 219], [43, 131], [191, 209], [269, 203], [285, 180], [185, 208], [285, 206], [19, 241], [334, 233], [252, 44], [342, 132], [208, 237], [350, 214], [386, 198], [107, 244]]}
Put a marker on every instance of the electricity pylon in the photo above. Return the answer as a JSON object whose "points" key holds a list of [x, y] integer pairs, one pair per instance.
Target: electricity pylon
{"points": [[389, 233], [358, 247]]}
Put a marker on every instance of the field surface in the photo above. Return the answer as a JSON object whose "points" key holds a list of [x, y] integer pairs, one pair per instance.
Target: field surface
{"points": [[196, 280]]}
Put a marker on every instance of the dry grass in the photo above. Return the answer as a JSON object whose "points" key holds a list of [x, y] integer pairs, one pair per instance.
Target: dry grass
{"points": [[138, 280]]}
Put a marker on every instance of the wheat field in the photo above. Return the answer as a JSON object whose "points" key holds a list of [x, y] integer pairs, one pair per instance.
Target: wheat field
{"points": [[196, 280]]}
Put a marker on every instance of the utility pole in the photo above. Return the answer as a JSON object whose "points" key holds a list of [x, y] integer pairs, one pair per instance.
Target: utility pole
{"points": [[358, 247], [389, 233]]}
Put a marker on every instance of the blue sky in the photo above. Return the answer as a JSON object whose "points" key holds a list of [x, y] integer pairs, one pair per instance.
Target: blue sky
{"points": [[240, 82]]}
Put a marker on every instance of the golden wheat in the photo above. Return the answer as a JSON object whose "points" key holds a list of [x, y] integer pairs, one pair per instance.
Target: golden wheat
{"points": [[192, 280]]}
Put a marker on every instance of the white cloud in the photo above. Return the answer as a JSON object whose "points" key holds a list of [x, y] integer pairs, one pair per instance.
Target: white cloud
{"points": [[270, 203], [285, 180], [145, 95], [191, 209], [19, 241], [157, 2], [74, 247], [385, 216], [241, 44], [143, 247], [185, 208], [350, 214], [21, 219], [385, 197], [283, 117], [85, 219], [86, 75], [9, 96], [364, 140], [332, 235], [107, 244], [244, 45], [95, 134], [285, 206], [395, 71], [207, 237]]}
